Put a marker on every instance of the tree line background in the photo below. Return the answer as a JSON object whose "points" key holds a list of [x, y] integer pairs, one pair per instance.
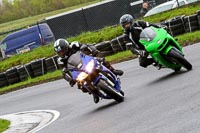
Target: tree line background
{"points": [[27, 8]]}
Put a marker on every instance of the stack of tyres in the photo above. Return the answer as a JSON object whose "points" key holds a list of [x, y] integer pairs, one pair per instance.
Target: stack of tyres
{"points": [[3, 80], [104, 48], [55, 60], [119, 43], [50, 64], [198, 17], [38, 67], [29, 70], [191, 23], [12, 75], [23, 72], [176, 25]]}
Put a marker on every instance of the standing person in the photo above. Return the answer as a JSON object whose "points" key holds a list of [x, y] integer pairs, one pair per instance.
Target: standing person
{"points": [[64, 50], [133, 29], [144, 9]]}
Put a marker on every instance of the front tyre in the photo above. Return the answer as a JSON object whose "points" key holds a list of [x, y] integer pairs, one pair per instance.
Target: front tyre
{"points": [[179, 58], [110, 91]]}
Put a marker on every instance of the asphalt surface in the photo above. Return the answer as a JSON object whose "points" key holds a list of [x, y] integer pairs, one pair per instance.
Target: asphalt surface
{"points": [[156, 101]]}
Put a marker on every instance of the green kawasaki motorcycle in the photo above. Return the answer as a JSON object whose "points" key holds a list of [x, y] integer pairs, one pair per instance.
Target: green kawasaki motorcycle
{"points": [[164, 49]]}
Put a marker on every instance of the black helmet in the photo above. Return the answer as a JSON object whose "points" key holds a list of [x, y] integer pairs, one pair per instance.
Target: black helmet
{"points": [[75, 45], [61, 47], [125, 19]]}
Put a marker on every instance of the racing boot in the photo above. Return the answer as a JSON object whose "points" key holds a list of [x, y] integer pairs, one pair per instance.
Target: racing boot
{"points": [[96, 99], [115, 71], [158, 66]]}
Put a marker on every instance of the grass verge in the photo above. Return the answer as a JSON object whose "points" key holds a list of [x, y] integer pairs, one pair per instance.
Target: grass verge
{"points": [[51, 76], [33, 19], [184, 40], [4, 124]]}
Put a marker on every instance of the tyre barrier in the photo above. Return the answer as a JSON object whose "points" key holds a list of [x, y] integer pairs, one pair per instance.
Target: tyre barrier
{"points": [[12, 75], [29, 70], [119, 43], [103, 46], [191, 23], [3, 80], [23, 73], [55, 58], [38, 67], [105, 53], [198, 17], [176, 25], [50, 64]]}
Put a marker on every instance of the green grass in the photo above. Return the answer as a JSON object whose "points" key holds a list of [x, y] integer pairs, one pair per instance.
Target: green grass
{"points": [[121, 56], [4, 27], [104, 34], [4, 124], [189, 38], [29, 82], [47, 51], [33, 19], [40, 52], [185, 39]]}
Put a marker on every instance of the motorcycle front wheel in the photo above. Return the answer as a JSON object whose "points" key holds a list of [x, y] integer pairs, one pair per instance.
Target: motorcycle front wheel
{"points": [[110, 91], [180, 59]]}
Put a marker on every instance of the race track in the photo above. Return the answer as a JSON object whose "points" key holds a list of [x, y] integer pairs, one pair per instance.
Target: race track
{"points": [[156, 101]]}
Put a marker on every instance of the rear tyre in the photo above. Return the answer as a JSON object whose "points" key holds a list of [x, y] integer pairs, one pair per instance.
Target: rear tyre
{"points": [[177, 69], [180, 59], [109, 90]]}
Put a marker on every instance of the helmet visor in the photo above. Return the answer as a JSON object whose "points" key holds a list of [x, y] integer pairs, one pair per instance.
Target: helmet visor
{"points": [[61, 53], [126, 25]]}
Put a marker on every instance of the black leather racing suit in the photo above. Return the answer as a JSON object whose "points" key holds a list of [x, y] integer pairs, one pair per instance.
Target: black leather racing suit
{"points": [[88, 50], [133, 35]]}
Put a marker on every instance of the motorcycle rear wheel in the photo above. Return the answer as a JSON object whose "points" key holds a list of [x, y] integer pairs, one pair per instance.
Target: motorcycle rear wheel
{"points": [[180, 58], [109, 90]]}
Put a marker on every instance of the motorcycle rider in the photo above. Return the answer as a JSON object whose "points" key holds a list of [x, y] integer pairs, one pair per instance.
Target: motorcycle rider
{"points": [[64, 50], [133, 29]]}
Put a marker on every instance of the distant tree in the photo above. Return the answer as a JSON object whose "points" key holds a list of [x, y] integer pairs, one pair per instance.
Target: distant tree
{"points": [[24, 8]]}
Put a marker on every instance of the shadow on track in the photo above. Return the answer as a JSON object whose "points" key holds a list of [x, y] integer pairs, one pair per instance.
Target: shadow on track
{"points": [[105, 107], [168, 77]]}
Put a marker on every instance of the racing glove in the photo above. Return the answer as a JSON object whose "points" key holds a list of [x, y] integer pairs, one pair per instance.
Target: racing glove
{"points": [[143, 53]]}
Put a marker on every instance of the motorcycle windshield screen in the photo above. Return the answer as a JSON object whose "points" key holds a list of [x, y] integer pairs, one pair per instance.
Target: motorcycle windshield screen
{"points": [[74, 61], [148, 34]]}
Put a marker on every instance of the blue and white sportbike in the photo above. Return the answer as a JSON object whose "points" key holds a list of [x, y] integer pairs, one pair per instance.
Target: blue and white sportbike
{"points": [[93, 76]]}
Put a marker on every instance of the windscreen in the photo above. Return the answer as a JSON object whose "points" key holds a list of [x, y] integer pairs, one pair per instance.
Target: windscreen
{"points": [[74, 60], [147, 34]]}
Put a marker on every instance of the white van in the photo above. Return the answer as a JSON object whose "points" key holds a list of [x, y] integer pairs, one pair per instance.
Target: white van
{"points": [[165, 6]]}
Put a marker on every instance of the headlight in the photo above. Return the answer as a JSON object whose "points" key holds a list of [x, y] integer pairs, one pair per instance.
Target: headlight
{"points": [[82, 76], [90, 66], [159, 41]]}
